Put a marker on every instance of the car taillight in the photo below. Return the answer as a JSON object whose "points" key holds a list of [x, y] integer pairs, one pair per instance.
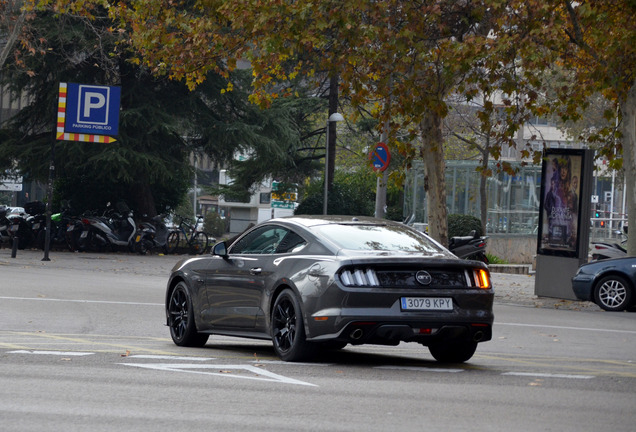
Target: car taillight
{"points": [[482, 278], [359, 277]]}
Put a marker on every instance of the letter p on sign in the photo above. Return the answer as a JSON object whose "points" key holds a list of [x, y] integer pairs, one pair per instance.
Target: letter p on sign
{"points": [[93, 103], [92, 109]]}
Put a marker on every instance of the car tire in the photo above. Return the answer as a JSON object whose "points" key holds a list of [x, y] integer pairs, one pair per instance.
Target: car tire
{"points": [[181, 319], [453, 351], [613, 293], [288, 330]]}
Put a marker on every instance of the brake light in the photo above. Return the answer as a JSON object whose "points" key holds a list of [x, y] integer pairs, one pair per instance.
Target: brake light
{"points": [[482, 278]]}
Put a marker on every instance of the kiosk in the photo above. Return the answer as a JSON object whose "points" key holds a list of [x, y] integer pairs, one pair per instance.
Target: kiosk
{"points": [[564, 214]]}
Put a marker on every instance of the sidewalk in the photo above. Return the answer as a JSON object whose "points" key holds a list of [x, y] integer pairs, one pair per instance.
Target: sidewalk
{"points": [[510, 288]]}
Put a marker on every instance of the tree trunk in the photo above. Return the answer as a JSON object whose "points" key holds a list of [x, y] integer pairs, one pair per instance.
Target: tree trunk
{"points": [[432, 153], [628, 109], [144, 200]]}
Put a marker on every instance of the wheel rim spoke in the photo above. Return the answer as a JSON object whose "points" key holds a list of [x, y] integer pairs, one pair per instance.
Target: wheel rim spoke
{"points": [[178, 312], [284, 325], [612, 293]]}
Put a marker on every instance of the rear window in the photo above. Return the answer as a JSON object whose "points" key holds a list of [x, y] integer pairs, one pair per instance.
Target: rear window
{"points": [[378, 238]]}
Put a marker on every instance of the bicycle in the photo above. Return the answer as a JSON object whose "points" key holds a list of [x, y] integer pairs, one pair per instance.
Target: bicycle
{"points": [[197, 241]]}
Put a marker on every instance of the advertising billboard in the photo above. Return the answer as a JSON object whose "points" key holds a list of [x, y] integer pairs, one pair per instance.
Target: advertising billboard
{"points": [[561, 212]]}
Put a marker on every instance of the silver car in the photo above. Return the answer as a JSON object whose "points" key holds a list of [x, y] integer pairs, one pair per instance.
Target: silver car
{"points": [[312, 283]]}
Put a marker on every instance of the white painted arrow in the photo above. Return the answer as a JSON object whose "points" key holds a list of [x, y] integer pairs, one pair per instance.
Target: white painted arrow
{"points": [[260, 374]]}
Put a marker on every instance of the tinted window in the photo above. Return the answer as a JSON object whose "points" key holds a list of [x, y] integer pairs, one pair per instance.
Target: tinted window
{"points": [[292, 242], [375, 237], [268, 240]]}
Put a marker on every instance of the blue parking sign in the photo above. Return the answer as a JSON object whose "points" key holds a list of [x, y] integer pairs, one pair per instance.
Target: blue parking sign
{"points": [[92, 109]]}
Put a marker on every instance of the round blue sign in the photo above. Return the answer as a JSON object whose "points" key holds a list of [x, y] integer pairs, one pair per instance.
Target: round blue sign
{"points": [[380, 157]]}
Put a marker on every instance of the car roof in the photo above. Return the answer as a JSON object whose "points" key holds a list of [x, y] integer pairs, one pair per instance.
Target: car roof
{"points": [[314, 220]]}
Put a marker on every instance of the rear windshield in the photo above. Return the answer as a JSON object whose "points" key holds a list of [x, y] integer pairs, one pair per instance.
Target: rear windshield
{"points": [[378, 237]]}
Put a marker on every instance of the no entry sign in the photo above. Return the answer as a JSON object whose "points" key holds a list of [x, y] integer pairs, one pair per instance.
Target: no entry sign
{"points": [[380, 157]]}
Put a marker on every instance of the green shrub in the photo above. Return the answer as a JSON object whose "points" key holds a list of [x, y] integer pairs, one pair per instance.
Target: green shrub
{"points": [[494, 259], [462, 225]]}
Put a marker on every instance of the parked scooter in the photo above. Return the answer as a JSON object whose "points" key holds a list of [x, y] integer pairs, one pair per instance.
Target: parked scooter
{"points": [[471, 247], [605, 250], [151, 235], [111, 230]]}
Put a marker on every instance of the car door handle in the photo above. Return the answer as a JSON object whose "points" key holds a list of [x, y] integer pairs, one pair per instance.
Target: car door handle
{"points": [[256, 270]]}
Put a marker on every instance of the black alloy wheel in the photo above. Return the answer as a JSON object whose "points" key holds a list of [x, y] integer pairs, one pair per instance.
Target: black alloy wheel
{"points": [[453, 351], [613, 293], [288, 331], [181, 319]]}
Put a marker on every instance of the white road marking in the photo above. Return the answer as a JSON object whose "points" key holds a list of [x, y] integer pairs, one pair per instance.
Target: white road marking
{"points": [[57, 353], [167, 357], [566, 328], [81, 301], [281, 362], [546, 375], [260, 374], [420, 369]]}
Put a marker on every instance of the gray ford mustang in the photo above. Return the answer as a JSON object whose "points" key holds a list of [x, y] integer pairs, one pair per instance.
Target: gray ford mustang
{"points": [[321, 282]]}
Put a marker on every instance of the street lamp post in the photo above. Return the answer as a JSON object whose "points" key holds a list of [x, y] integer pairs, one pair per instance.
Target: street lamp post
{"points": [[335, 117]]}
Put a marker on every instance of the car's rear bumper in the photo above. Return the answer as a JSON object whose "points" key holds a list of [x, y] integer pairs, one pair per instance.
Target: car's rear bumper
{"points": [[390, 326], [387, 333]]}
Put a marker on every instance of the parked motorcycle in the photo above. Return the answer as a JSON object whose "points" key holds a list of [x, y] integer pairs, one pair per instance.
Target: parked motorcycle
{"points": [[36, 220], [151, 234], [605, 250], [112, 230], [471, 247], [65, 229], [19, 226]]}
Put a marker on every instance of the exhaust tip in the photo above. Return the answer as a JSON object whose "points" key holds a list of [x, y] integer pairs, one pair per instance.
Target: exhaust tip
{"points": [[478, 336], [356, 334]]}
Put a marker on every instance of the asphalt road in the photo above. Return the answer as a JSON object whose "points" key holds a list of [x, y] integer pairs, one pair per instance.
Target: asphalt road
{"points": [[83, 347]]}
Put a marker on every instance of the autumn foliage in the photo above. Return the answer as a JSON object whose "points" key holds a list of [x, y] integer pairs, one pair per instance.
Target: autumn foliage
{"points": [[401, 57]]}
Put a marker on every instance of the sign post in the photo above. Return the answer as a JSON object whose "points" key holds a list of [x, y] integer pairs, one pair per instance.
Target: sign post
{"points": [[380, 158], [88, 113]]}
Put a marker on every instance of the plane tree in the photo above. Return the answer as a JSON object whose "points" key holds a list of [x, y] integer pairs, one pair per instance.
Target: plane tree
{"points": [[406, 57], [596, 41]]}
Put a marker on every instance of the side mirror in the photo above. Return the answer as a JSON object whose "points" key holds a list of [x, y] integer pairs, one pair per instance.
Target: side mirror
{"points": [[220, 249]]}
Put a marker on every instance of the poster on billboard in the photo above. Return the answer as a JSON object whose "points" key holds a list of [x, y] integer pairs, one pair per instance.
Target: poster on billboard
{"points": [[560, 211]]}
